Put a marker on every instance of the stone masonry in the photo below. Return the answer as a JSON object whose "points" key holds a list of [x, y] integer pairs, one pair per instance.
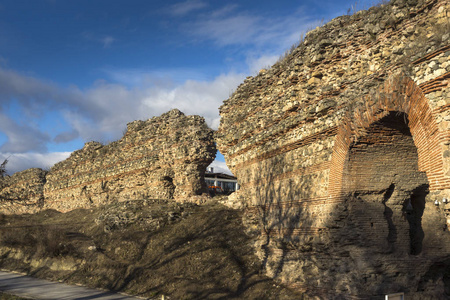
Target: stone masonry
{"points": [[23, 192], [342, 149], [164, 157]]}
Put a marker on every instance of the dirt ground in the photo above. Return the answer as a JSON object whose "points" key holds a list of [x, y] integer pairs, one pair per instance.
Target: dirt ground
{"points": [[147, 248], [4, 296]]}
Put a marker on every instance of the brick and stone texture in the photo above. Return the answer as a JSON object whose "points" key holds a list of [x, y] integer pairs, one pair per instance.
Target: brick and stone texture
{"points": [[164, 157], [23, 192], [341, 150]]}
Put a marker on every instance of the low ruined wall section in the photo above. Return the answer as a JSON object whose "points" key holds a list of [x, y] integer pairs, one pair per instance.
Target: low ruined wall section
{"points": [[164, 157], [23, 192]]}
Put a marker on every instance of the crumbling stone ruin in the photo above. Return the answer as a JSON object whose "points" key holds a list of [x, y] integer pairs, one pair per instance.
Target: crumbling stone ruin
{"points": [[22, 192], [342, 152], [164, 157]]}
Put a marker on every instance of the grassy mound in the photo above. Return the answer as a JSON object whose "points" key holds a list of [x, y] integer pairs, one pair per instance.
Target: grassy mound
{"points": [[147, 248]]}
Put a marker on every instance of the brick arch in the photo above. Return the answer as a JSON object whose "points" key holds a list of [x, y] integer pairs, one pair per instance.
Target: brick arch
{"points": [[399, 93]]}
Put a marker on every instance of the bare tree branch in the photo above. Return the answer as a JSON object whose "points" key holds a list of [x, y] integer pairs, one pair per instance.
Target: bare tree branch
{"points": [[3, 168]]}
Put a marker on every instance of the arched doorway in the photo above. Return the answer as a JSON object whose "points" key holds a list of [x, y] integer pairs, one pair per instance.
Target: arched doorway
{"points": [[398, 94], [382, 176], [386, 176]]}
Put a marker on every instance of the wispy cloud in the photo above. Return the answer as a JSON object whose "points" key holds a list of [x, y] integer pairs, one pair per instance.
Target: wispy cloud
{"points": [[262, 38], [157, 77], [66, 136], [228, 26], [224, 26], [3, 61], [184, 8], [105, 40], [22, 161]]}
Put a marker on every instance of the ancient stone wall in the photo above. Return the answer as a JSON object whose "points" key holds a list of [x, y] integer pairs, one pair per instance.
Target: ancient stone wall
{"points": [[164, 157], [23, 192], [341, 150]]}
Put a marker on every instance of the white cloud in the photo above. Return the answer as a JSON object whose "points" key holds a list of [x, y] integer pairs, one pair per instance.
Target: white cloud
{"points": [[195, 97], [184, 8], [101, 112], [106, 108], [255, 64], [22, 161], [220, 167]]}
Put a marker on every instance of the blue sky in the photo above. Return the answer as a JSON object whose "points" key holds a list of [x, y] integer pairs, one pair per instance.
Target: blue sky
{"points": [[73, 71]]}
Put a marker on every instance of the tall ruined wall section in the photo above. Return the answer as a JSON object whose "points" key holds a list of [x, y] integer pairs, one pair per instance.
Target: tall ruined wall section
{"points": [[164, 157], [342, 149]]}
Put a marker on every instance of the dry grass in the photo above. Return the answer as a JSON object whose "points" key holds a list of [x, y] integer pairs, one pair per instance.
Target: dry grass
{"points": [[4, 296], [147, 248]]}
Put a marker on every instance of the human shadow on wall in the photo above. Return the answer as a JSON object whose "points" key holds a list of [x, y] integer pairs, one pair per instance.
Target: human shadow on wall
{"points": [[414, 209], [388, 213]]}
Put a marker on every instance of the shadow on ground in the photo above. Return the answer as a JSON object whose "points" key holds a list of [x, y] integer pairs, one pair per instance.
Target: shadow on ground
{"points": [[146, 248]]}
